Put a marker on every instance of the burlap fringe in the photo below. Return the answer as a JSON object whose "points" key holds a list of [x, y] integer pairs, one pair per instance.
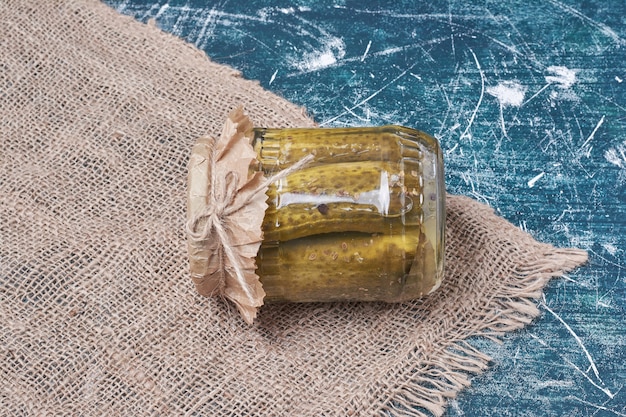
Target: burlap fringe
{"points": [[440, 375]]}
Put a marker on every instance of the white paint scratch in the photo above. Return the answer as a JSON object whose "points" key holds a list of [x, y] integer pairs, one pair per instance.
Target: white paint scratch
{"points": [[182, 16], [617, 155], [610, 248], [320, 59], [371, 96], [606, 260], [451, 150], [599, 407], [541, 90], [531, 183], [162, 10], [555, 383], [286, 10], [451, 29], [465, 133], [502, 124], [562, 76], [580, 342], [122, 6], [385, 52], [207, 28], [273, 77], [363, 119], [604, 29], [568, 278], [367, 49], [330, 51], [523, 226], [573, 365], [508, 93], [593, 132]]}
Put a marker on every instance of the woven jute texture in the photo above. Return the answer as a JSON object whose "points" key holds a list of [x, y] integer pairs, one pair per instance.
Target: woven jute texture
{"points": [[98, 114]]}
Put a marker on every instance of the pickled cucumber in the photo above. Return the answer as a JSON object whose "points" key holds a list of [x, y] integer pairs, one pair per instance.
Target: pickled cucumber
{"points": [[369, 196], [331, 266], [280, 148]]}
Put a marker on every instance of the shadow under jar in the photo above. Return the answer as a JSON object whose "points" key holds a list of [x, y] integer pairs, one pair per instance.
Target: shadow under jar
{"points": [[363, 221]]}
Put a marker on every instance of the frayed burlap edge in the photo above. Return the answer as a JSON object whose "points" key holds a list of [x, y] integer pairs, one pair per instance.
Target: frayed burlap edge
{"points": [[441, 372], [449, 371]]}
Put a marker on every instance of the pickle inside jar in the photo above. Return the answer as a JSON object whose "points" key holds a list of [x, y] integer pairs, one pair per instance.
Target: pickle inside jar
{"points": [[348, 226]]}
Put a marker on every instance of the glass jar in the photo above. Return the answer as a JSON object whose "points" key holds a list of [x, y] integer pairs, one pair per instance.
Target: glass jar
{"points": [[363, 221]]}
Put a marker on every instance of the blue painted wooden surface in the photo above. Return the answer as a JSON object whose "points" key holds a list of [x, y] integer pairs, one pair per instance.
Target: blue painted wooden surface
{"points": [[528, 99]]}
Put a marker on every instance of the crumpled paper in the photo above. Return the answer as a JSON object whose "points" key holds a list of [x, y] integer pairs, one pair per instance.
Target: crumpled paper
{"points": [[225, 210]]}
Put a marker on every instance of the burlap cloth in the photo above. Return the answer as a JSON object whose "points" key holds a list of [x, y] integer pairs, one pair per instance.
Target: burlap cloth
{"points": [[98, 114]]}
